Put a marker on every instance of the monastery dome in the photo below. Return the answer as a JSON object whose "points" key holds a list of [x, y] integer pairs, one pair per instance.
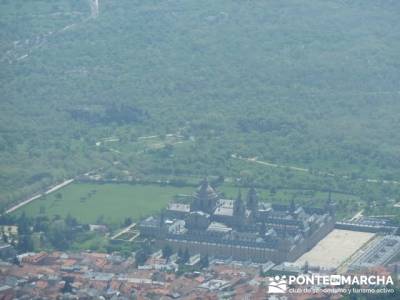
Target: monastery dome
{"points": [[205, 191]]}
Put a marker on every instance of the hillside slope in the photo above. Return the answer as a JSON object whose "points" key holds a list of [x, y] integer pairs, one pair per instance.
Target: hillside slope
{"points": [[309, 83]]}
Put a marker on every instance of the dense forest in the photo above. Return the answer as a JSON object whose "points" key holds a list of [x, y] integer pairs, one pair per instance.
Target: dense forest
{"points": [[312, 84]]}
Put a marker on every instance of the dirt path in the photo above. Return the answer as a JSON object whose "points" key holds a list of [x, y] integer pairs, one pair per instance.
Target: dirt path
{"points": [[357, 216], [22, 49], [123, 231], [318, 173]]}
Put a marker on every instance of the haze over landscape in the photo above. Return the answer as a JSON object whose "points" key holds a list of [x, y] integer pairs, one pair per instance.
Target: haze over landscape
{"points": [[312, 84], [109, 110]]}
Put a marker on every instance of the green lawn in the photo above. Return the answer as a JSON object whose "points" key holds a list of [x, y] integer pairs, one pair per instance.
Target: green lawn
{"points": [[115, 202]]}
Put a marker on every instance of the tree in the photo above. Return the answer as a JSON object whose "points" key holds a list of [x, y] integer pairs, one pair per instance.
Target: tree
{"points": [[23, 224], [41, 223], [4, 236], [167, 251], [183, 256], [100, 219], [67, 288], [25, 243], [140, 257], [180, 254], [127, 221], [204, 261], [59, 235], [70, 220], [143, 253], [186, 256]]}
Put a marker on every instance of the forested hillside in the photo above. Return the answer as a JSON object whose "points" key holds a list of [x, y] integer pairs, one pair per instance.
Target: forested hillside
{"points": [[314, 84]]}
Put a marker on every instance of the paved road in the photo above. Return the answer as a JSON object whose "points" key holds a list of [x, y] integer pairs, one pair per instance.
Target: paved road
{"points": [[33, 198]]}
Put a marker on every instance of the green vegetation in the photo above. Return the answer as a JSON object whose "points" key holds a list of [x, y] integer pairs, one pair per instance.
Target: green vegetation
{"points": [[114, 203], [311, 84], [104, 203]]}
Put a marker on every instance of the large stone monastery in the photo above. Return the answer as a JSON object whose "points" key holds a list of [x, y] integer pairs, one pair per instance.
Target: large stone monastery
{"points": [[241, 229]]}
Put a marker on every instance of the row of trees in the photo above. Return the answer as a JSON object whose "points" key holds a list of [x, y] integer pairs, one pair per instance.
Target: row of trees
{"points": [[56, 233]]}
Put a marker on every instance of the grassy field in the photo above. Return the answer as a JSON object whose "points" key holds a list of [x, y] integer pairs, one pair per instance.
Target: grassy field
{"points": [[112, 203]]}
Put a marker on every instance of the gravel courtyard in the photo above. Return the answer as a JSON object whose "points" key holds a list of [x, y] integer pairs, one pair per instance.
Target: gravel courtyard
{"points": [[335, 248]]}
